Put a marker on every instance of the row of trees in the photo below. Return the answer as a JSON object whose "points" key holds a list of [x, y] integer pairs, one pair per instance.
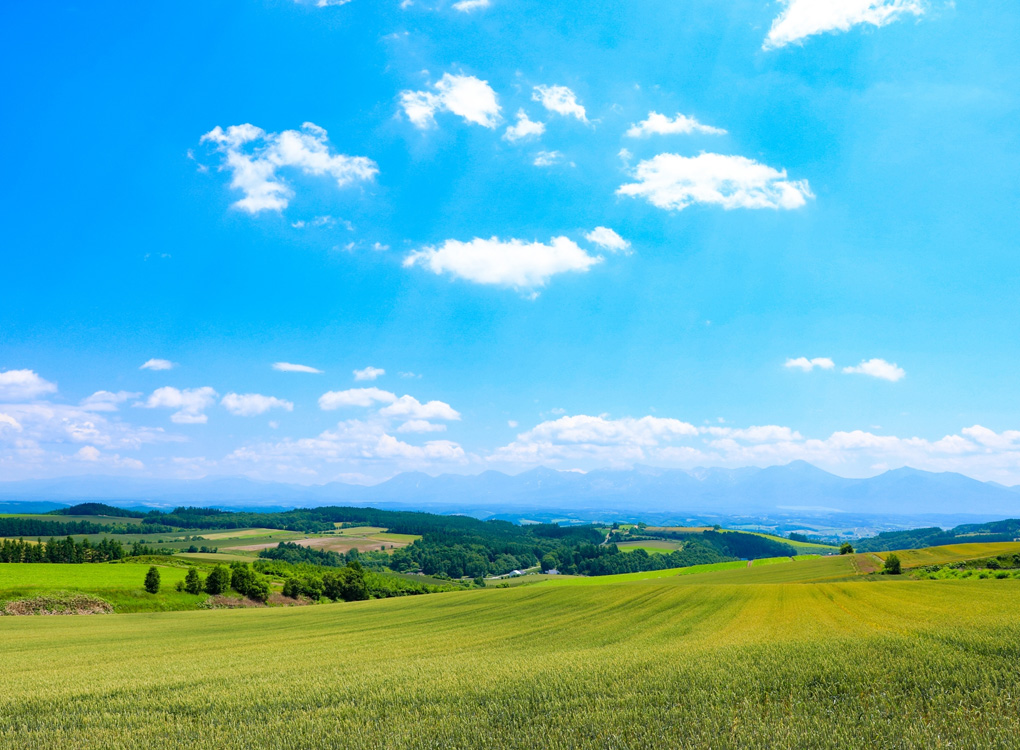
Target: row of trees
{"points": [[60, 551], [56, 527]]}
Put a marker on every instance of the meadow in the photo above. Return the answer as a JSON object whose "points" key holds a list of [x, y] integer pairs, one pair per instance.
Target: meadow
{"points": [[660, 664]]}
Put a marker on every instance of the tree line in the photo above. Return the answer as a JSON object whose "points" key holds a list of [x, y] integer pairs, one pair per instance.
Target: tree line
{"points": [[70, 551], [38, 527]]}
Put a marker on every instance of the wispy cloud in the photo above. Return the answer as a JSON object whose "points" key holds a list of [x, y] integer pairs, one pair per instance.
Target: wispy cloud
{"points": [[801, 19], [20, 385], [657, 124], [157, 364], [807, 365], [291, 367]]}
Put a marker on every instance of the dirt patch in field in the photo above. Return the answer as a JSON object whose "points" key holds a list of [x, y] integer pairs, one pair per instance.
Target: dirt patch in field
{"points": [[229, 602], [57, 604], [334, 543]]}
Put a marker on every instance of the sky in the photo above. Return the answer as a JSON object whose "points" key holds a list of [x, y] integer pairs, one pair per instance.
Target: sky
{"points": [[335, 240]]}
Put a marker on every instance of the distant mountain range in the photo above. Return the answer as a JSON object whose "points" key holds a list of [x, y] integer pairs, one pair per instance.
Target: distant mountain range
{"points": [[794, 489]]}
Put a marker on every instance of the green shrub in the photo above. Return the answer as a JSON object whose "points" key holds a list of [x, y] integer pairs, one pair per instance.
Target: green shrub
{"points": [[892, 566]]}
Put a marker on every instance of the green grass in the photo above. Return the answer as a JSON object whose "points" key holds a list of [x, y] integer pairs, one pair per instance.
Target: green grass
{"points": [[644, 576], [651, 546], [920, 664], [118, 583], [770, 561], [952, 553]]}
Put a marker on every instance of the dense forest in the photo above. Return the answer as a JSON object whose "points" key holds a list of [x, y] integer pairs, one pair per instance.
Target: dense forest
{"points": [[996, 531], [96, 509], [39, 527]]}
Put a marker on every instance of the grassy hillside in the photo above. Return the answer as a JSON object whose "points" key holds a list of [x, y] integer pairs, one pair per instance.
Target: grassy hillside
{"points": [[916, 663], [118, 583]]}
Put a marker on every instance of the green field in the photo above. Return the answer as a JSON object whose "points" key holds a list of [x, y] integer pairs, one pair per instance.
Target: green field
{"points": [[651, 546], [952, 553], [118, 583], [817, 652], [912, 664]]}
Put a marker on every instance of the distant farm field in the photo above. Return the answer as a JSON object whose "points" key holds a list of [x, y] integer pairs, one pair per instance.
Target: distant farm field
{"points": [[650, 546], [910, 664]]}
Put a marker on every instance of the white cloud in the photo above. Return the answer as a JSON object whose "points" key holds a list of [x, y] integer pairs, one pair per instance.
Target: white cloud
{"points": [[35, 424], [807, 365], [408, 407], [878, 368], [88, 453], [525, 128], [607, 239], [465, 96], [363, 397], [253, 404], [759, 434], [254, 156], [21, 385], [106, 400], [803, 18], [582, 440], [290, 367], [466, 6], [189, 402], [369, 373], [157, 364], [657, 124], [421, 425], [513, 263], [354, 444], [671, 181], [547, 158], [561, 100], [1007, 440]]}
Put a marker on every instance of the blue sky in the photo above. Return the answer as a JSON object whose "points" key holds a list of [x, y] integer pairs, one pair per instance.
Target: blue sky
{"points": [[669, 233]]}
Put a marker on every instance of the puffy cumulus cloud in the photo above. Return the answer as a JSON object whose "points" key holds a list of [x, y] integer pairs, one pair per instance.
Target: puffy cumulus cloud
{"points": [[559, 100], [599, 430], [674, 182], [363, 397], [800, 19], [586, 441], [253, 157], [421, 425], [607, 239], [408, 407], [190, 403], [807, 365], [157, 364], [43, 424], [291, 367], [362, 446], [22, 385], [253, 404], [878, 368], [465, 96], [369, 373], [88, 453], [523, 128], [107, 400], [511, 263], [657, 124], [466, 6], [991, 440]]}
